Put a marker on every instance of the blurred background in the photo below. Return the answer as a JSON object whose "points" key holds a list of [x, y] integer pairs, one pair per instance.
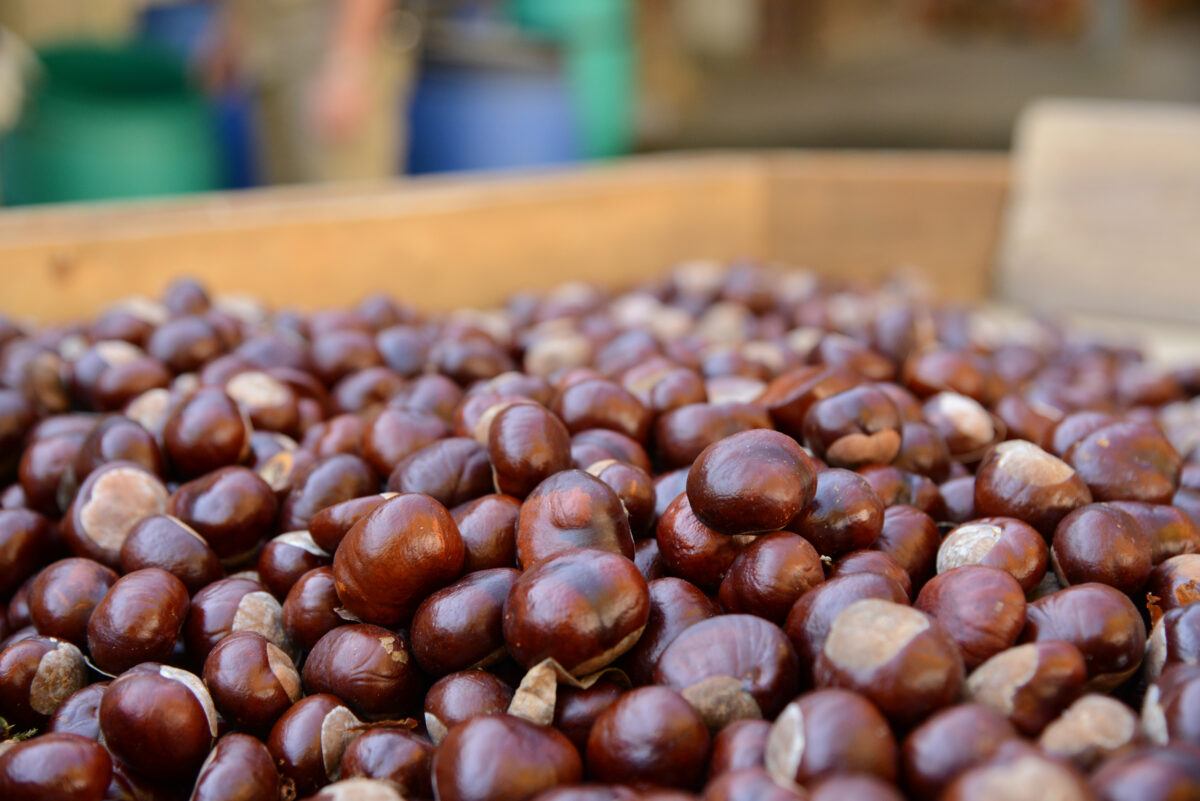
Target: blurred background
{"points": [[124, 98]]}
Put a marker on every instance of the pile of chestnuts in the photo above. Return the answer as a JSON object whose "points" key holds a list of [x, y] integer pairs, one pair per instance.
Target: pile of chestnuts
{"points": [[740, 533]]}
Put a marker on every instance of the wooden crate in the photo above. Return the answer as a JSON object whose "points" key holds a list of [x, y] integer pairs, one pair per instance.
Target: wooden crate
{"points": [[445, 242]]}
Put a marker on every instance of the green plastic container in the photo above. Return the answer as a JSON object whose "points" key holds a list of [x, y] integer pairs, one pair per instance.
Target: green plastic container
{"points": [[109, 122]]}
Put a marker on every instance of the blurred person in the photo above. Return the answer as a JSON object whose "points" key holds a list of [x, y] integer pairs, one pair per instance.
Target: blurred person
{"points": [[327, 78]]}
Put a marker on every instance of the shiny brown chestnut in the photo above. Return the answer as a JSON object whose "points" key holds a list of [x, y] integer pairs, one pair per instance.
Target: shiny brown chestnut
{"points": [[852, 428], [693, 551], [1029, 684], [948, 743], [1019, 479], [204, 432], [808, 623], [36, 675], [1174, 638], [633, 487], [571, 509], [365, 391], [1170, 531], [110, 502], [329, 526], [64, 594], [876, 562], [229, 605], [597, 444], [731, 667], [769, 575], [501, 756], [369, 667], [1002, 542], [1169, 709], [649, 735], [310, 610], [751, 482], [526, 444], [269, 403], [159, 720], [117, 439], [488, 527], [328, 481], [649, 560], [599, 403], [452, 471], [827, 732], [461, 626], [681, 434], [964, 424], [307, 743], [79, 713], [958, 499], [896, 487], [239, 768], [395, 556], [741, 744], [1127, 462], [27, 541], [170, 544], [1175, 582], [1101, 543], [674, 605], [286, 558], [251, 681], [898, 657], [911, 538], [577, 708], [583, 608], [138, 620], [981, 608], [55, 767], [392, 754], [429, 393], [1100, 621], [232, 508], [789, 396], [460, 696], [45, 463], [845, 514], [1149, 774]]}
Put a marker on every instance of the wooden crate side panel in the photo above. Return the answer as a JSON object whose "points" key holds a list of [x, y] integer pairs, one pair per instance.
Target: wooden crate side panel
{"points": [[438, 244], [864, 216]]}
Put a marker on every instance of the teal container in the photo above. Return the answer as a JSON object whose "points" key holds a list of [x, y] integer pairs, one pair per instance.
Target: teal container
{"points": [[109, 122], [595, 37]]}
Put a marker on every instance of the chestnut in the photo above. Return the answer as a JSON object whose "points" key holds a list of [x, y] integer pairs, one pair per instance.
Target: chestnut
{"points": [[229, 605], [731, 667], [158, 720], [662, 385], [1149, 774], [845, 514], [1101, 543], [922, 450], [185, 343], [858, 426], [872, 562], [392, 754], [674, 605], [117, 439], [204, 432], [328, 481], [394, 557], [80, 712], [790, 395], [896, 487], [1175, 638], [1029, 684], [808, 622], [1100, 621], [239, 768], [451, 471], [598, 403], [1169, 709], [170, 544], [338, 353], [981, 608], [44, 469], [307, 743], [110, 502], [501, 756], [597, 444], [1018, 772], [55, 767], [329, 526], [681, 434], [577, 708], [36, 675], [571, 509], [1090, 730], [750, 482], [1176, 581], [898, 657], [27, 542], [1002, 542], [1170, 531], [369, 667], [1074, 427], [693, 551], [648, 560], [461, 626], [488, 527], [911, 538], [863, 788], [431, 393], [633, 487], [461, 696], [1127, 461], [526, 444], [232, 508], [251, 681], [64, 594], [965, 425], [828, 732], [741, 744], [1019, 479], [310, 610], [958, 499], [769, 575], [269, 403], [286, 558], [367, 390], [583, 608], [138, 620], [649, 735], [949, 742]]}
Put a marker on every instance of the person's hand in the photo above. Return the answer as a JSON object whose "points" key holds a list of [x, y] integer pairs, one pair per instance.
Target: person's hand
{"points": [[340, 101]]}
